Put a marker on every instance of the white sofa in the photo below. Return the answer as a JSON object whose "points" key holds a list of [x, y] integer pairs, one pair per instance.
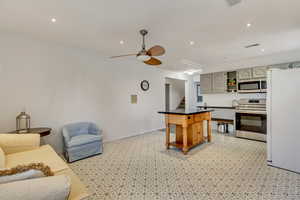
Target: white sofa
{"points": [[20, 149]]}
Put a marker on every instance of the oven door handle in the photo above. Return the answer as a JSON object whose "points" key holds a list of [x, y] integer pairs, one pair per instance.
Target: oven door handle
{"points": [[250, 91], [251, 112]]}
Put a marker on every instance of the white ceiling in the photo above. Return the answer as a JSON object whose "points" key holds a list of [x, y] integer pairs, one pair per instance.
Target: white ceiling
{"points": [[218, 30]]}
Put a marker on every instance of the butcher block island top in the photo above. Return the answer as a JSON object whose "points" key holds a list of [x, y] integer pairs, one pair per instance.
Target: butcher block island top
{"points": [[189, 127], [186, 111]]}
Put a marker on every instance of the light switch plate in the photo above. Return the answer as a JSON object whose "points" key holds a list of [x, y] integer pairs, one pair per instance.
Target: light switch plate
{"points": [[133, 98]]}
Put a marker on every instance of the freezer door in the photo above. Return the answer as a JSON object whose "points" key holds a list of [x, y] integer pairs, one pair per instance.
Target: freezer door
{"points": [[285, 119]]}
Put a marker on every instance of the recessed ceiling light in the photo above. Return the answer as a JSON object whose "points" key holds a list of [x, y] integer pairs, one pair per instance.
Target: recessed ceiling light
{"points": [[249, 25], [192, 42], [263, 50], [121, 42], [53, 20]]}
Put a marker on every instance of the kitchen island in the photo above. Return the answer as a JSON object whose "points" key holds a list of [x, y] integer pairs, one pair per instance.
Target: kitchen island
{"points": [[189, 127]]}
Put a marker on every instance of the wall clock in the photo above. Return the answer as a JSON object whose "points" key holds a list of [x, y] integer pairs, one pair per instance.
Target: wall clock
{"points": [[145, 85]]}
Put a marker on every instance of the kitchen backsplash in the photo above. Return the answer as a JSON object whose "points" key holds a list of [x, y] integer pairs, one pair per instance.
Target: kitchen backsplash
{"points": [[226, 99]]}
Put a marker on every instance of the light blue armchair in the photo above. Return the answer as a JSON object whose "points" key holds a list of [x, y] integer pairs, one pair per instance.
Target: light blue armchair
{"points": [[81, 140]]}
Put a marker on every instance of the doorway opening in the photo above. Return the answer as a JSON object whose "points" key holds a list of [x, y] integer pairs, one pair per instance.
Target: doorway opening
{"points": [[175, 94]]}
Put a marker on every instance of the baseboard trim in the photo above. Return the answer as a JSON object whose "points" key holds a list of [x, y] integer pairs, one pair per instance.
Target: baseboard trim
{"points": [[70, 162], [132, 135]]}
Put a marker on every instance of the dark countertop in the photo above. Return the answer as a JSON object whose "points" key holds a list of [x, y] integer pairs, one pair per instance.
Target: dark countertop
{"points": [[217, 107], [186, 111]]}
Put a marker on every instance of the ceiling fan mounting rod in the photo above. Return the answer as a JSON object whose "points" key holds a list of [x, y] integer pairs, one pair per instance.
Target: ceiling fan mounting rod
{"points": [[143, 32]]}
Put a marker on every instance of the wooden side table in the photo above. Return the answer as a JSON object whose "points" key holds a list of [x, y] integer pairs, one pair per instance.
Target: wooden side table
{"points": [[43, 131]]}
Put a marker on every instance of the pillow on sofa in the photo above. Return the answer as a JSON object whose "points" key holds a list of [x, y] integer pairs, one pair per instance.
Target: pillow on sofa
{"points": [[21, 176], [47, 188], [2, 158], [22, 172]]}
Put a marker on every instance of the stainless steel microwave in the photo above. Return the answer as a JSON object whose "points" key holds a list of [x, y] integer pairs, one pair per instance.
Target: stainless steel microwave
{"points": [[252, 86]]}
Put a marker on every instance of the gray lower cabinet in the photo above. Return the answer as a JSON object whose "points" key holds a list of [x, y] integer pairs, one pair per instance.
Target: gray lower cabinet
{"points": [[219, 82], [206, 83]]}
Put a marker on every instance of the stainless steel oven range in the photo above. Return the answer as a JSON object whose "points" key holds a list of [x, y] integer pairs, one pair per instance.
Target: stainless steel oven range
{"points": [[251, 119]]}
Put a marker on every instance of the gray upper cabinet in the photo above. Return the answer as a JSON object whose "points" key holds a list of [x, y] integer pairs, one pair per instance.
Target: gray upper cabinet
{"points": [[213, 83], [259, 72], [219, 82], [206, 83], [244, 74]]}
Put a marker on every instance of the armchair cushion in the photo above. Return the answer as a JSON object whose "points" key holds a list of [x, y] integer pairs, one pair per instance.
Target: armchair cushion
{"points": [[2, 158], [13, 143], [83, 139]]}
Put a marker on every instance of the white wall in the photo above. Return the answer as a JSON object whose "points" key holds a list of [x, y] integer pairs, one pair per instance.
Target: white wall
{"points": [[192, 91], [177, 92], [59, 85]]}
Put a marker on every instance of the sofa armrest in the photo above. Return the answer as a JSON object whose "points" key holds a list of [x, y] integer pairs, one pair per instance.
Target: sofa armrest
{"points": [[48, 188], [66, 135], [13, 143], [78, 189]]}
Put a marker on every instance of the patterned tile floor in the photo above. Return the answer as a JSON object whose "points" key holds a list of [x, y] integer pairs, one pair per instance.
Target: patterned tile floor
{"points": [[140, 168]]}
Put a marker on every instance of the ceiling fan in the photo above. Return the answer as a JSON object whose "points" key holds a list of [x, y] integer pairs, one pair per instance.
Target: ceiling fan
{"points": [[146, 56]]}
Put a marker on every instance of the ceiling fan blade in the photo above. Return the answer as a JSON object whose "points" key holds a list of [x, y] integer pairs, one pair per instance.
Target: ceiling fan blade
{"points": [[156, 51], [133, 54], [153, 61]]}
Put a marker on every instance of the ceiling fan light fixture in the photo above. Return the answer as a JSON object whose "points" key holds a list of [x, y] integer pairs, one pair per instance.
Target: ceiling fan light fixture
{"points": [[143, 58], [146, 56]]}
